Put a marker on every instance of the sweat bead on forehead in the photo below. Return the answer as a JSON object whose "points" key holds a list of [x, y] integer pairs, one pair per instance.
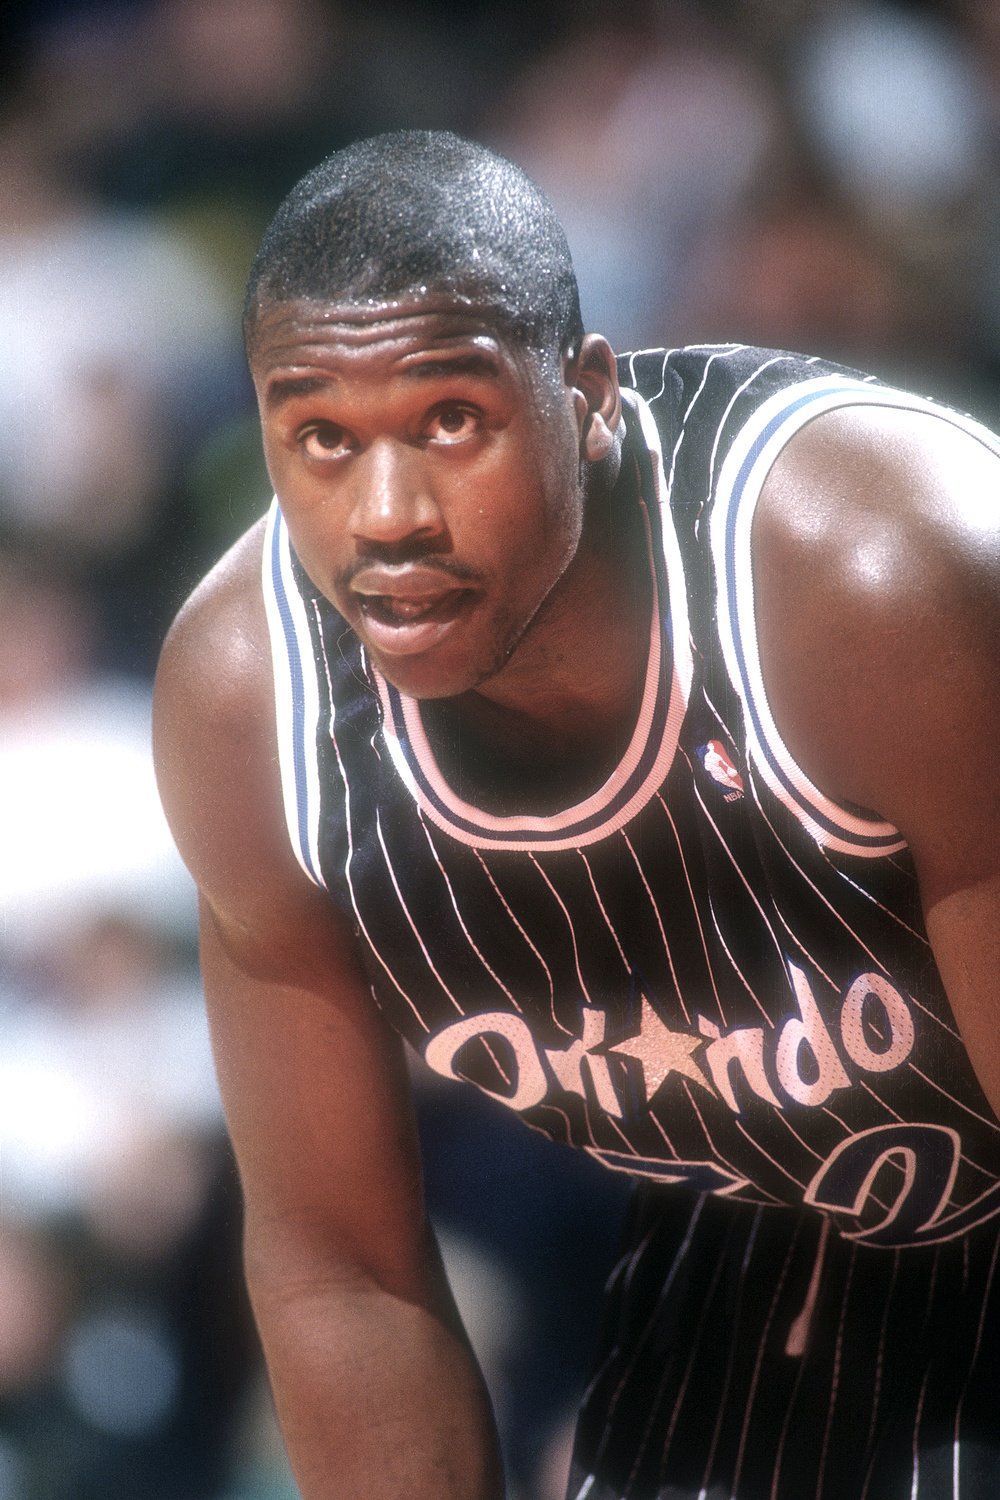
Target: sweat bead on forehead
{"points": [[422, 212]]}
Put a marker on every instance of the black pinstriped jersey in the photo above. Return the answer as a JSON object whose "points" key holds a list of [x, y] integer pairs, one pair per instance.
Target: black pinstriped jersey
{"points": [[706, 972]]}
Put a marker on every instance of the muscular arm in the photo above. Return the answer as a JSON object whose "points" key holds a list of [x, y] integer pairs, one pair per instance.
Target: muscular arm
{"points": [[877, 583], [376, 1389]]}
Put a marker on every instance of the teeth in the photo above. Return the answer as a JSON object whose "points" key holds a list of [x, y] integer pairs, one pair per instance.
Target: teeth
{"points": [[395, 609], [392, 608], [406, 609]]}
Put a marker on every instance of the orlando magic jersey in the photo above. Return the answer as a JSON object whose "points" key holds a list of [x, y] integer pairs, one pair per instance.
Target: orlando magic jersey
{"points": [[705, 974]]}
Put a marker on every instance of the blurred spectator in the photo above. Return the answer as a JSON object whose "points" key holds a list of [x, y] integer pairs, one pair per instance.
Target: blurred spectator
{"points": [[126, 1348], [647, 129], [804, 271], [82, 822], [236, 101], [124, 1340], [106, 1084], [893, 104], [118, 351]]}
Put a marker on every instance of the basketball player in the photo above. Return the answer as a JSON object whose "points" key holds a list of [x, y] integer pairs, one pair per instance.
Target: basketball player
{"points": [[623, 735]]}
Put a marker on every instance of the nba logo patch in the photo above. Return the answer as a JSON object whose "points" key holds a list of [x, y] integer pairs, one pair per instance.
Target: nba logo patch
{"points": [[721, 769]]}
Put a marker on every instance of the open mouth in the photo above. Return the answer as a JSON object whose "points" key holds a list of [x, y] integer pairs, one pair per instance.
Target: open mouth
{"points": [[403, 625], [407, 609], [393, 610]]}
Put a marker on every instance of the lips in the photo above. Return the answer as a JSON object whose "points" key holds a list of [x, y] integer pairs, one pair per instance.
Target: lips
{"points": [[408, 609]]}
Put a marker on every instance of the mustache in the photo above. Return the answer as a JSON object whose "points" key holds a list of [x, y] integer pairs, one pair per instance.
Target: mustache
{"points": [[451, 568]]}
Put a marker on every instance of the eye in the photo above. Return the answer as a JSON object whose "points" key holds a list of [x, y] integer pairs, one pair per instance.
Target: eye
{"points": [[453, 424], [324, 440]]}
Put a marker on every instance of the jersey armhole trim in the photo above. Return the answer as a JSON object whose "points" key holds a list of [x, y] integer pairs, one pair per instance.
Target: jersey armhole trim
{"points": [[296, 695], [741, 479]]}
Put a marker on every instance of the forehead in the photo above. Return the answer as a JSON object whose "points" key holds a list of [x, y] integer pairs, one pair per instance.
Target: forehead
{"points": [[308, 332]]}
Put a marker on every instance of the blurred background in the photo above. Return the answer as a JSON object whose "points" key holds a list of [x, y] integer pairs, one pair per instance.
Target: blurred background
{"points": [[820, 176]]}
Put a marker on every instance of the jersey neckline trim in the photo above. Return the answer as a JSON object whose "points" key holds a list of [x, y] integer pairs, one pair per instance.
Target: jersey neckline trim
{"points": [[651, 749]]}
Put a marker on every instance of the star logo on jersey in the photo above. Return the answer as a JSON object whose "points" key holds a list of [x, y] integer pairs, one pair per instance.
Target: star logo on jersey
{"points": [[661, 1052], [719, 766]]}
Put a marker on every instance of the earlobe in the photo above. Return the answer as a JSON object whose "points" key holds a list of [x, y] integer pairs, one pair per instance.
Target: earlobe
{"points": [[598, 439], [593, 375]]}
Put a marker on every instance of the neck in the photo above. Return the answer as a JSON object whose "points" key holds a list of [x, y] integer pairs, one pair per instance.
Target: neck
{"points": [[555, 722]]}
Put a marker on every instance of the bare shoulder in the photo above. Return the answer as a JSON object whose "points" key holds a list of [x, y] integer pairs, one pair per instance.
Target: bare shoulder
{"points": [[215, 745], [876, 491], [877, 589], [216, 649]]}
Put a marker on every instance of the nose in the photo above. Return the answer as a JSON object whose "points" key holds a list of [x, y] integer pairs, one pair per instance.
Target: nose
{"points": [[393, 502]]}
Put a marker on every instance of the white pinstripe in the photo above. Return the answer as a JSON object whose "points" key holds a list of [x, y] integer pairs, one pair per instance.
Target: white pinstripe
{"points": [[694, 907], [758, 1363], [713, 1148], [462, 923], [880, 1362], [972, 1363], [767, 1157], [846, 925], [835, 1381], [510, 912], [624, 1271], [730, 1363], [409, 918], [976, 1167], [914, 1488], [349, 832], [727, 349], [735, 966], [603, 911], [779, 1455], [893, 916], [694, 1346], [751, 893], [993, 1124], [639, 1342], [659, 922], [669, 1143], [569, 923]]}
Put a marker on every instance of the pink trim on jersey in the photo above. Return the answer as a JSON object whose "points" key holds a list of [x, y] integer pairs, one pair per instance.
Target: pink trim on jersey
{"points": [[570, 816], [517, 831]]}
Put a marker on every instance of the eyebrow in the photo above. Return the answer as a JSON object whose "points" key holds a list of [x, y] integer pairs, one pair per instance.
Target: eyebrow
{"points": [[292, 387], [474, 363], [288, 387]]}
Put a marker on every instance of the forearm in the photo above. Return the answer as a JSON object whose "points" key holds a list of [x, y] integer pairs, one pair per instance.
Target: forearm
{"points": [[376, 1396]]}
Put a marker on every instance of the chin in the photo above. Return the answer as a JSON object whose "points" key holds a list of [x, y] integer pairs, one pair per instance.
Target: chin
{"points": [[455, 667], [425, 679]]}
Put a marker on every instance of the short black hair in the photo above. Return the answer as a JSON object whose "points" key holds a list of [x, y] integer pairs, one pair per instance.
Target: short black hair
{"points": [[422, 209]]}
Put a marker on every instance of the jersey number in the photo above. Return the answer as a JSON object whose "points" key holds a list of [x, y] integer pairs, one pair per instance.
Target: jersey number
{"points": [[928, 1156]]}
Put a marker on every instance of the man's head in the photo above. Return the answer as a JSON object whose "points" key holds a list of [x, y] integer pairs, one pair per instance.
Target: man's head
{"points": [[423, 211], [432, 413]]}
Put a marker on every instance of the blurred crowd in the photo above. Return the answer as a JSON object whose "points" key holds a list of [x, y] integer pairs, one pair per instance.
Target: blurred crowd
{"points": [[812, 174]]}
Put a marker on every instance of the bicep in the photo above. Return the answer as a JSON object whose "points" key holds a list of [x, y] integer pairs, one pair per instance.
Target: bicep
{"points": [[946, 802], [948, 808], [964, 928], [878, 592]]}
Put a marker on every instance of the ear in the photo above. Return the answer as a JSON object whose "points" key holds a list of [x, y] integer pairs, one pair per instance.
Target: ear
{"points": [[592, 376]]}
